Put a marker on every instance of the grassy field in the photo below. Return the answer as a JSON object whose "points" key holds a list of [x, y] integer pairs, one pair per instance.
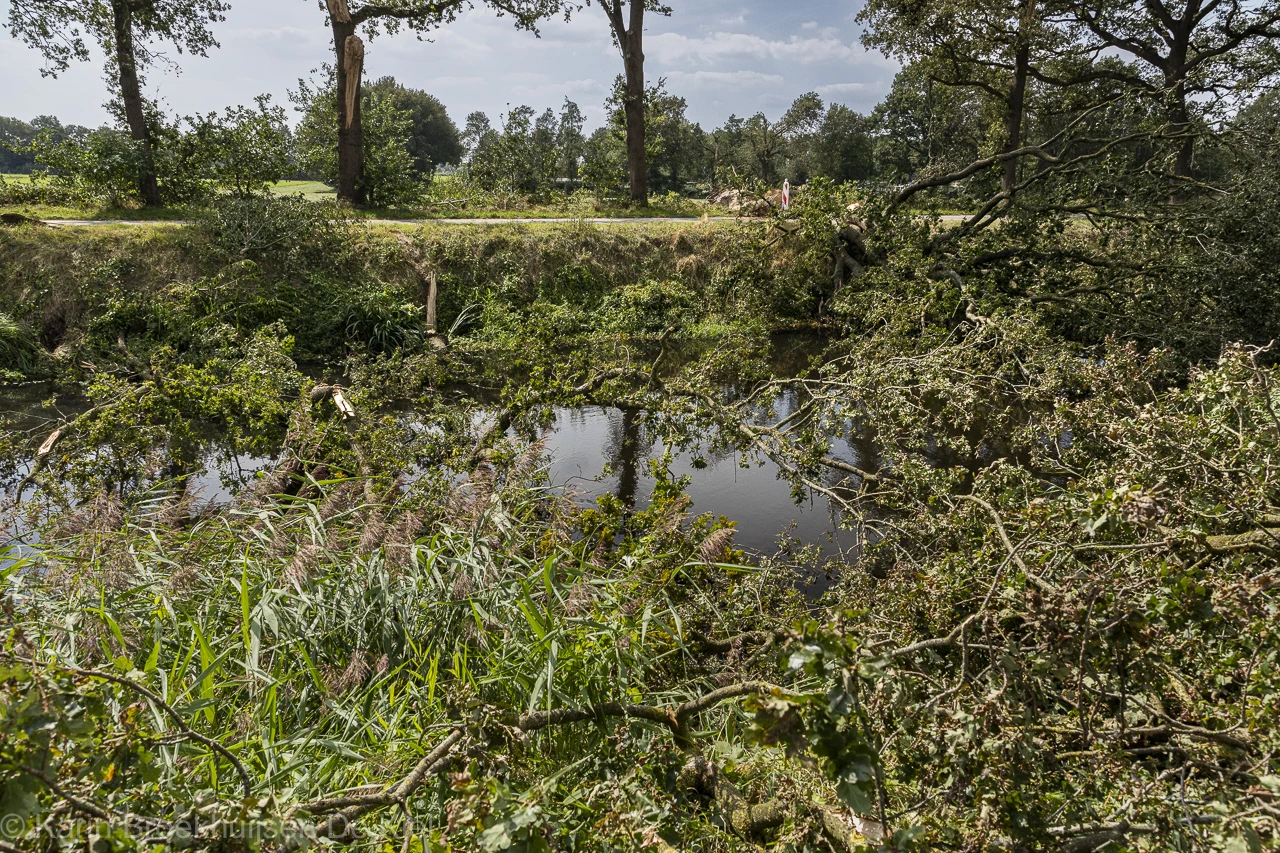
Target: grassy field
{"points": [[444, 202], [313, 190]]}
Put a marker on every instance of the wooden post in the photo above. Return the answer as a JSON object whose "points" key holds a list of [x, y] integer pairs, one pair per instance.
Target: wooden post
{"points": [[433, 293]]}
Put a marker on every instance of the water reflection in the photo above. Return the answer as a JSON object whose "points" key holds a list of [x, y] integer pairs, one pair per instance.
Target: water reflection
{"points": [[585, 443]]}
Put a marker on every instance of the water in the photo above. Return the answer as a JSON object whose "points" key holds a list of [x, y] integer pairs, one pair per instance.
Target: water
{"points": [[594, 451]]}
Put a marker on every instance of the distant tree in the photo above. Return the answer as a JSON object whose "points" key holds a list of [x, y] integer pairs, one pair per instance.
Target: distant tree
{"points": [[520, 158], [923, 125], [478, 128], [723, 144], [126, 31], [843, 148], [628, 35], [434, 140], [604, 163], [570, 142], [390, 16], [545, 155], [764, 145], [15, 143]]}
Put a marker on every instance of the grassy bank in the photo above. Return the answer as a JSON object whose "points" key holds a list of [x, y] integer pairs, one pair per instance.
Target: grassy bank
{"points": [[80, 292]]}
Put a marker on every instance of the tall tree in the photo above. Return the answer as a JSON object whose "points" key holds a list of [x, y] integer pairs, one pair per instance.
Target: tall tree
{"points": [[1190, 53], [628, 35], [990, 47], [126, 30], [390, 16]]}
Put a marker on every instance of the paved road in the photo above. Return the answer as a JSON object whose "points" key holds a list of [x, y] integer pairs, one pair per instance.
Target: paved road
{"points": [[637, 220]]}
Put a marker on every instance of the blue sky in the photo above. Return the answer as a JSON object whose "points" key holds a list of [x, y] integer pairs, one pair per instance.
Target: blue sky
{"points": [[724, 57]]}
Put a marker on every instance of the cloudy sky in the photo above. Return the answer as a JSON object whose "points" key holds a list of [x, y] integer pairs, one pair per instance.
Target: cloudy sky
{"points": [[723, 56]]}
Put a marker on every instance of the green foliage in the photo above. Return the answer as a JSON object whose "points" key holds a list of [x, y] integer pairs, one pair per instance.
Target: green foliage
{"points": [[101, 167], [243, 151], [434, 139], [521, 158], [390, 176], [649, 307], [65, 33], [604, 165], [17, 347], [674, 145]]}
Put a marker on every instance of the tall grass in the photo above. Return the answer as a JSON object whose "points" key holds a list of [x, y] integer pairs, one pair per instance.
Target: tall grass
{"points": [[330, 642], [17, 345]]}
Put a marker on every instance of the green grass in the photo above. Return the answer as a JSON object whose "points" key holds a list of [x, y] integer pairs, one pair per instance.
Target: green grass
{"points": [[313, 190]]}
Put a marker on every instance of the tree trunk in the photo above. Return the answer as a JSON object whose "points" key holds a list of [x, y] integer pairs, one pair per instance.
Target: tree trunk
{"points": [[349, 51], [131, 94], [1184, 160], [1179, 114], [632, 44], [1014, 117], [1016, 106]]}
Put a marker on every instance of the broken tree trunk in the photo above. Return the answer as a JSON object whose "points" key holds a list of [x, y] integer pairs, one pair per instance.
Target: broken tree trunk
{"points": [[349, 54], [433, 294]]}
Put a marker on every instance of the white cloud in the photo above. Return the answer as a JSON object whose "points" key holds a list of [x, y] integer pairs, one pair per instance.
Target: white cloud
{"points": [[837, 89], [724, 56], [740, 79], [673, 48]]}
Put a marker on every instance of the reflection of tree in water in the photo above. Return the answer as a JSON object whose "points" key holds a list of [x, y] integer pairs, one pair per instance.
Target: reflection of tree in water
{"points": [[624, 449]]}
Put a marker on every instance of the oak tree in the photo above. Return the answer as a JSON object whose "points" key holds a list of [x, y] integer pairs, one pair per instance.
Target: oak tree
{"points": [[990, 47], [1189, 54]]}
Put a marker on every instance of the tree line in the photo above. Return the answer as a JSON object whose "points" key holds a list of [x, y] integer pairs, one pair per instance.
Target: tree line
{"points": [[983, 80]]}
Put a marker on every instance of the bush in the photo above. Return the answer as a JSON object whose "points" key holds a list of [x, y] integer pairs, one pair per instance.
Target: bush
{"points": [[101, 167], [283, 231], [36, 190], [242, 151], [649, 308]]}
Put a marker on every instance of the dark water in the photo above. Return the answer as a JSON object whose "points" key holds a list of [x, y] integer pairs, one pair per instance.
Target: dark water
{"points": [[595, 451]]}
